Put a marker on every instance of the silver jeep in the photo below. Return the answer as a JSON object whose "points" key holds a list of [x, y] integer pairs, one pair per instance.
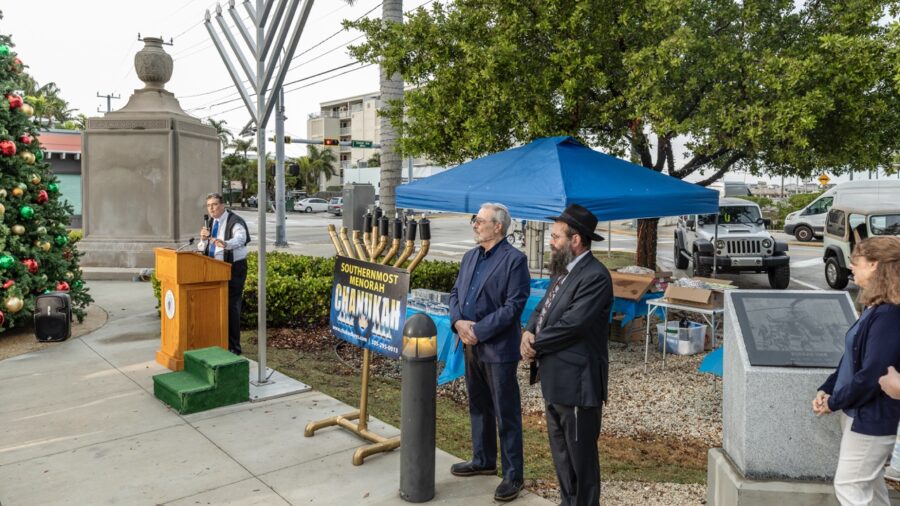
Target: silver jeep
{"points": [[742, 244]]}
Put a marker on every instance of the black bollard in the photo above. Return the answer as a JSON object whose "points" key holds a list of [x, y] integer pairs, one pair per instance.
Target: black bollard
{"points": [[418, 409]]}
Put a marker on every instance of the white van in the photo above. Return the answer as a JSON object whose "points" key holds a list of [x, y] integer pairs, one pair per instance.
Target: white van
{"points": [[809, 222]]}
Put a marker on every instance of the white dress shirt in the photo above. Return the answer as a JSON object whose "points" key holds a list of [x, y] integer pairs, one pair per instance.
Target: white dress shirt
{"points": [[237, 243]]}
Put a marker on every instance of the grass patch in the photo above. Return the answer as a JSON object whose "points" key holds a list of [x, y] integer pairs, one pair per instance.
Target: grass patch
{"points": [[648, 458]]}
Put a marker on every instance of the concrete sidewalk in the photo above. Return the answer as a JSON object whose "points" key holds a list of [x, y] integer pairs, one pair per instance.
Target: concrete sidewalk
{"points": [[80, 425]]}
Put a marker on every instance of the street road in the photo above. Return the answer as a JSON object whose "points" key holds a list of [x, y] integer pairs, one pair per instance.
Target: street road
{"points": [[452, 237]]}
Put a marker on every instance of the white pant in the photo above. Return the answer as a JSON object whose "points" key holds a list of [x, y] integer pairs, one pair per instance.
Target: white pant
{"points": [[859, 478]]}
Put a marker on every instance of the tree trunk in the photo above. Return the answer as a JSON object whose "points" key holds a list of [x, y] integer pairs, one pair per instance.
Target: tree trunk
{"points": [[391, 90], [646, 243]]}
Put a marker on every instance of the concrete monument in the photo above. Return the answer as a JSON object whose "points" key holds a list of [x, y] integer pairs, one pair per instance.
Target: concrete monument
{"points": [[146, 171], [779, 347]]}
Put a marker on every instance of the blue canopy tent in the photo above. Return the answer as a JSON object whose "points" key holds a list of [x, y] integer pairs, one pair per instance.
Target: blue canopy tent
{"points": [[542, 178]]}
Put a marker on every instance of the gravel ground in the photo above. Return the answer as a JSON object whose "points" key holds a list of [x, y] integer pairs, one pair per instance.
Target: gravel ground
{"points": [[634, 493], [672, 401]]}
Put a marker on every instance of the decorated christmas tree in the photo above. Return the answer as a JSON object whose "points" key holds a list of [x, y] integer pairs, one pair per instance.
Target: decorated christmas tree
{"points": [[36, 253]]}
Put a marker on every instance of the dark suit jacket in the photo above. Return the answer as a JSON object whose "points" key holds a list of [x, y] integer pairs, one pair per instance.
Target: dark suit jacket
{"points": [[499, 302], [572, 347]]}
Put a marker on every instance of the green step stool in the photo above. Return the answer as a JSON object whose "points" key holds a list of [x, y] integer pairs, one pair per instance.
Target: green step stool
{"points": [[212, 378]]}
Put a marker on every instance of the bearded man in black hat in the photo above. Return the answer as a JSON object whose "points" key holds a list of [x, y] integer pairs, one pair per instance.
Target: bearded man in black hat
{"points": [[567, 341]]}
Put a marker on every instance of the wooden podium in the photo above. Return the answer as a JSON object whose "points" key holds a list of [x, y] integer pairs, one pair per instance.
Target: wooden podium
{"points": [[194, 312]]}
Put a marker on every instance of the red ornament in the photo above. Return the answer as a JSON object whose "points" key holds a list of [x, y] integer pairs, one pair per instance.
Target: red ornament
{"points": [[15, 101], [6, 286], [62, 286], [67, 254], [8, 148], [42, 197], [26, 139], [16, 67], [31, 264]]}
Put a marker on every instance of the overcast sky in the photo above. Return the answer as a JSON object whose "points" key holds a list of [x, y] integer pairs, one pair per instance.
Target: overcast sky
{"points": [[87, 47]]}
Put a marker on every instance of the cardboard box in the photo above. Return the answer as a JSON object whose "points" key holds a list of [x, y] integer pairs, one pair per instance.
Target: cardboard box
{"points": [[697, 297], [631, 286], [633, 332]]}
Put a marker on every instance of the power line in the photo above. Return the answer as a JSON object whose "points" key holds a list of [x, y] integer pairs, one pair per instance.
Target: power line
{"points": [[299, 87]]}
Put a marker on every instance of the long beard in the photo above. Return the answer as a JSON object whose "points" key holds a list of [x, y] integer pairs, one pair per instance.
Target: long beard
{"points": [[559, 259]]}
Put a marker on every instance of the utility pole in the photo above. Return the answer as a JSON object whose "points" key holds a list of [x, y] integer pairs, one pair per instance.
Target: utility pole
{"points": [[263, 37], [280, 239], [109, 98]]}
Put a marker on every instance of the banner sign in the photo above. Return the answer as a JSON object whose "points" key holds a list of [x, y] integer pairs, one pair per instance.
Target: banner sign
{"points": [[368, 305]]}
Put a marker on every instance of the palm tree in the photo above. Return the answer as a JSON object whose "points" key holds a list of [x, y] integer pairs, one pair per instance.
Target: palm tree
{"points": [[242, 146], [391, 88], [321, 163], [225, 135]]}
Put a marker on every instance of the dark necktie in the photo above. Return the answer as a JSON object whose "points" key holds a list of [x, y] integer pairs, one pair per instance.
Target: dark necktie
{"points": [[212, 239], [533, 372], [545, 308]]}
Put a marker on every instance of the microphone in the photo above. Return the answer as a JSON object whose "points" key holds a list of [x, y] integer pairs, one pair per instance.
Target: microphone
{"points": [[190, 241], [207, 222]]}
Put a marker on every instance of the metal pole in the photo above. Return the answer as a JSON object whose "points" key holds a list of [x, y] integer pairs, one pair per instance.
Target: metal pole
{"points": [[261, 200], [609, 241], [409, 169], [280, 239]]}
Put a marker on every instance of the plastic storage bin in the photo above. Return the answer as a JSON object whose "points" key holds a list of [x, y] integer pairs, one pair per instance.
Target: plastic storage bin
{"points": [[681, 341]]}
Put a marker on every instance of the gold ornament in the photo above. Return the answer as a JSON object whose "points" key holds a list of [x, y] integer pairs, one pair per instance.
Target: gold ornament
{"points": [[27, 110], [35, 179], [46, 246], [69, 275], [14, 304], [2, 194], [2, 209], [28, 156], [18, 229], [17, 192]]}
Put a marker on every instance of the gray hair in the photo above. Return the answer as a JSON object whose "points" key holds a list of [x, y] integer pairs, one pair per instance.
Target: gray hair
{"points": [[217, 196], [501, 215]]}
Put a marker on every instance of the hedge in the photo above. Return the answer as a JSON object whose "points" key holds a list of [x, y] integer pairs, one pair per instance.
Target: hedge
{"points": [[298, 288]]}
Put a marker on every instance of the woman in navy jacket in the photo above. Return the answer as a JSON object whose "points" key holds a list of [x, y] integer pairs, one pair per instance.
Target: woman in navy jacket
{"points": [[869, 417]]}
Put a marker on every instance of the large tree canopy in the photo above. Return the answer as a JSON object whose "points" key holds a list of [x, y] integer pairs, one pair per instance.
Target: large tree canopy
{"points": [[765, 86]]}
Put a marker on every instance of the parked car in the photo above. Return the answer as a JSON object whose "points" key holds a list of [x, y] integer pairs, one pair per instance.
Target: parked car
{"points": [[251, 201], [311, 205], [848, 224], [336, 206], [743, 243]]}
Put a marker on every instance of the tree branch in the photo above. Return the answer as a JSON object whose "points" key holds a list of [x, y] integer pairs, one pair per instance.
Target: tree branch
{"points": [[721, 172]]}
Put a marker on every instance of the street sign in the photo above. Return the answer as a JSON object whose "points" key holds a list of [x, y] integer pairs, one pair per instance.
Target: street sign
{"points": [[824, 179], [360, 144]]}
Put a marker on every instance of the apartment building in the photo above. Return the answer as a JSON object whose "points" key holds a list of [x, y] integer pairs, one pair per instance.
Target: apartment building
{"points": [[351, 119]]}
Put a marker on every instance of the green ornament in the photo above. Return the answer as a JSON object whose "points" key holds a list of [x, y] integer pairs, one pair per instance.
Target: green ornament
{"points": [[61, 240], [6, 261], [4, 50], [39, 155], [78, 284], [27, 212], [53, 187]]}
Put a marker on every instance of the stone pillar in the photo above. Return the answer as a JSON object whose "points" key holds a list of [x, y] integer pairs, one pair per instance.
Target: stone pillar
{"points": [[146, 170]]}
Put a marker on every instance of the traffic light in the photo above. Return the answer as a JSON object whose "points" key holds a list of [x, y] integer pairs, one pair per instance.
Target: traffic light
{"points": [[332, 142]]}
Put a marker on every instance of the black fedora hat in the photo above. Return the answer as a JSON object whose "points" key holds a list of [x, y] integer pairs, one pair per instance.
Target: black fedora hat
{"points": [[580, 219]]}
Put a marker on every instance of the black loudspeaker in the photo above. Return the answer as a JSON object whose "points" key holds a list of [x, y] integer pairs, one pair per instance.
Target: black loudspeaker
{"points": [[53, 317]]}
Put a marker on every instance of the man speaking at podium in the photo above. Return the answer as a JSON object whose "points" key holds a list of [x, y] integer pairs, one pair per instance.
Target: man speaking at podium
{"points": [[224, 236]]}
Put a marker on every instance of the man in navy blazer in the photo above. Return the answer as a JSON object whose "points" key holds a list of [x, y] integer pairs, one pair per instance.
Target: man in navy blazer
{"points": [[566, 338], [486, 303]]}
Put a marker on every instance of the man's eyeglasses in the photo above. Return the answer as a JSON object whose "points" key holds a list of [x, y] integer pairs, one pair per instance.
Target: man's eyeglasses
{"points": [[477, 220]]}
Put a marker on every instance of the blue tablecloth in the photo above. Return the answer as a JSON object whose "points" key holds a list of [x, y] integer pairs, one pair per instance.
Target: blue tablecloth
{"points": [[632, 308]]}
